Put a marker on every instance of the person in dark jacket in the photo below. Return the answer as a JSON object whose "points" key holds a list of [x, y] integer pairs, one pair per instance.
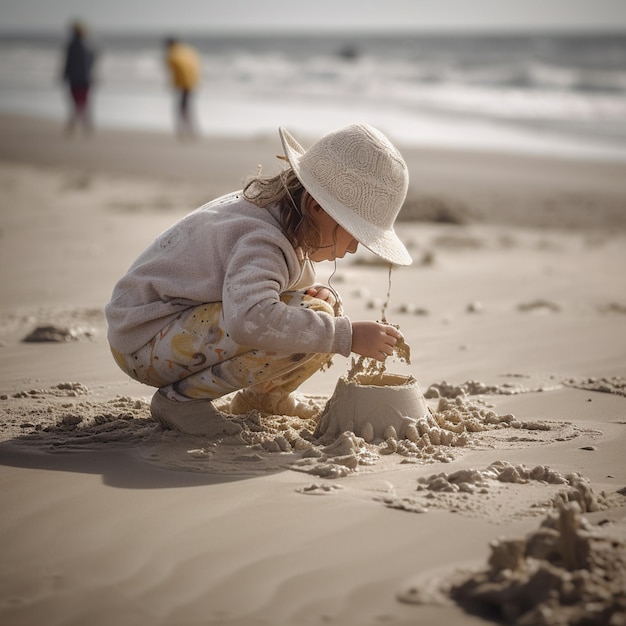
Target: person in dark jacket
{"points": [[78, 75]]}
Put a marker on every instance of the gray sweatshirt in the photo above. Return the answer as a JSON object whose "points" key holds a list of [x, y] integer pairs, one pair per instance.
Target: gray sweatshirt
{"points": [[228, 251]]}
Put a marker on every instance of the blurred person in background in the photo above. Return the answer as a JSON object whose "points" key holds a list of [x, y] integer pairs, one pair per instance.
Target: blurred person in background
{"points": [[78, 75], [184, 66]]}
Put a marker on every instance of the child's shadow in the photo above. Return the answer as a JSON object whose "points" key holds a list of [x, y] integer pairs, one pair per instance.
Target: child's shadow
{"points": [[119, 468], [139, 454], [119, 439]]}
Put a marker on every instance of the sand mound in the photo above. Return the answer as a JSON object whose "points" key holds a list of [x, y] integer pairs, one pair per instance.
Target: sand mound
{"points": [[563, 573], [567, 572], [499, 489], [445, 389], [52, 325], [612, 384], [52, 419]]}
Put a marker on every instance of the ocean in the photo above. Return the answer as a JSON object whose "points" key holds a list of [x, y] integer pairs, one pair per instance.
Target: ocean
{"points": [[551, 94]]}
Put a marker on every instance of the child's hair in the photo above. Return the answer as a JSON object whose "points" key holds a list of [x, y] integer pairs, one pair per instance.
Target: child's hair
{"points": [[287, 192]]}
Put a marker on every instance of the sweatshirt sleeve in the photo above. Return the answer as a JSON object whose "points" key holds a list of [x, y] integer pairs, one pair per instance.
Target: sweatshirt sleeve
{"points": [[258, 271]]}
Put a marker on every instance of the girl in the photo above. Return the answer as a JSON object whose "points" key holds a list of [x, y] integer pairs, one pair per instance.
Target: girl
{"points": [[225, 300]]}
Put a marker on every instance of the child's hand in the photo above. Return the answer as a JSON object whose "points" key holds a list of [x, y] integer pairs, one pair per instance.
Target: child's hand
{"points": [[322, 293], [374, 340]]}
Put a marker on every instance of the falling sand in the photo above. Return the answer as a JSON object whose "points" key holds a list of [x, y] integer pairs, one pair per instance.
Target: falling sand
{"points": [[373, 404]]}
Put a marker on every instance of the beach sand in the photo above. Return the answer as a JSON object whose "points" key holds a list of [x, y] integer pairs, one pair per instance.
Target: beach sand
{"points": [[515, 312]]}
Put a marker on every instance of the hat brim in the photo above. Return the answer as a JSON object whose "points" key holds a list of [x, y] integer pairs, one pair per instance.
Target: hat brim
{"points": [[382, 242]]}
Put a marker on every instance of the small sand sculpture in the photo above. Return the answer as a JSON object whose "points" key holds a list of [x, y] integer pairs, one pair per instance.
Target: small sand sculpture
{"points": [[375, 407], [566, 572]]}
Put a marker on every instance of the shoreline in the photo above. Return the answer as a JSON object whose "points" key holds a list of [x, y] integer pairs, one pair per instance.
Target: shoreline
{"points": [[445, 185]]}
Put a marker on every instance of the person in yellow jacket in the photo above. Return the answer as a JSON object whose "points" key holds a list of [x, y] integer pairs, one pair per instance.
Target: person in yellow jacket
{"points": [[184, 66]]}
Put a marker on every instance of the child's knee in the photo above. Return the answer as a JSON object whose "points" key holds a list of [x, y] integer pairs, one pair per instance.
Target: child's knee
{"points": [[315, 304], [301, 299]]}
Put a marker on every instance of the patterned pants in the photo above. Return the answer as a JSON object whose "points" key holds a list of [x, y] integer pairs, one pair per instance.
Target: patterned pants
{"points": [[194, 356]]}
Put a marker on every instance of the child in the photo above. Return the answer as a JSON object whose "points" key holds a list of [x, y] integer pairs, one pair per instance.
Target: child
{"points": [[225, 300]]}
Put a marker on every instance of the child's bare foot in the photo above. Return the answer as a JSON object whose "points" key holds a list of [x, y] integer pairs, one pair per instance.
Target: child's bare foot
{"points": [[245, 401]]}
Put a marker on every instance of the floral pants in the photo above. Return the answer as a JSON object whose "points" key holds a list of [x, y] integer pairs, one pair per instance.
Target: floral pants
{"points": [[194, 356]]}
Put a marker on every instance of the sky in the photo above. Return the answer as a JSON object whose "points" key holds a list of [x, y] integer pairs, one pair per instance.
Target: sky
{"points": [[302, 15]]}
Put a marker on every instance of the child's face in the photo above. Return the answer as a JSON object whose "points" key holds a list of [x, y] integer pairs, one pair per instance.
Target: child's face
{"points": [[335, 241]]}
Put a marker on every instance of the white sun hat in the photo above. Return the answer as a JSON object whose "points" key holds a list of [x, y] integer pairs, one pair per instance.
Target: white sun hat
{"points": [[360, 179]]}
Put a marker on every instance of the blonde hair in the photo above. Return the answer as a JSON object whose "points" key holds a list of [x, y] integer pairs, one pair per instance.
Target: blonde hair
{"points": [[286, 191]]}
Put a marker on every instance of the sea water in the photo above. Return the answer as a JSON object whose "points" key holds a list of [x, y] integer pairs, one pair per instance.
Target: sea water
{"points": [[544, 94]]}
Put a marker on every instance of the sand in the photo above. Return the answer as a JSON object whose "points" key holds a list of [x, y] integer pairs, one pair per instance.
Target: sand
{"points": [[515, 314]]}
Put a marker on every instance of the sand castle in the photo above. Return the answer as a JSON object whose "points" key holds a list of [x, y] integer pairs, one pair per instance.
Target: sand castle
{"points": [[374, 407]]}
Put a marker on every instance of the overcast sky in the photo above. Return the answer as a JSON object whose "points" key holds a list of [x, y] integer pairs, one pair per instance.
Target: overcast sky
{"points": [[202, 15]]}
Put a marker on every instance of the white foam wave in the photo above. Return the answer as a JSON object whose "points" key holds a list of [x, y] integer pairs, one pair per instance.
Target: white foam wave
{"points": [[442, 99]]}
